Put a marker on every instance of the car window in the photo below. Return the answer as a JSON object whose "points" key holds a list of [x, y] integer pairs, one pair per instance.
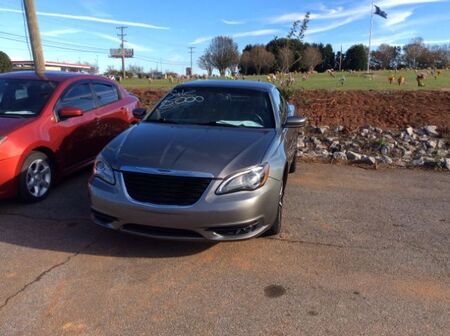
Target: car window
{"points": [[106, 93], [23, 97], [78, 96], [280, 104], [215, 106]]}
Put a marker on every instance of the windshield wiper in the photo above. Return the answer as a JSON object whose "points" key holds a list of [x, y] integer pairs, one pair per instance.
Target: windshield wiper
{"points": [[216, 123]]}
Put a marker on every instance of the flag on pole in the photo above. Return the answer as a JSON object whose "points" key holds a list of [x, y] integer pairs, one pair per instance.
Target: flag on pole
{"points": [[380, 12]]}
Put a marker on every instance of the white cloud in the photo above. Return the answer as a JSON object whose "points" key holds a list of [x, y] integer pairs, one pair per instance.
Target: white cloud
{"points": [[89, 18], [229, 22], [200, 40], [396, 3], [260, 32], [437, 42], [395, 18], [60, 32], [351, 14], [136, 47], [331, 26]]}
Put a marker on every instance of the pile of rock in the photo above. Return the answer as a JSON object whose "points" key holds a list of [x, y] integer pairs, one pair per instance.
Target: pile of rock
{"points": [[410, 147]]}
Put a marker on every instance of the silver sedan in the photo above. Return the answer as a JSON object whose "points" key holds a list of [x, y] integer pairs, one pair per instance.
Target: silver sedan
{"points": [[210, 161]]}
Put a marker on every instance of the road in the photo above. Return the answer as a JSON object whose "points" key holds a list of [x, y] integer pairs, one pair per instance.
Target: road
{"points": [[363, 252]]}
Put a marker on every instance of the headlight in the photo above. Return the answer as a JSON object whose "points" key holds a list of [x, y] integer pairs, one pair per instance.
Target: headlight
{"points": [[249, 179], [103, 170], [2, 139]]}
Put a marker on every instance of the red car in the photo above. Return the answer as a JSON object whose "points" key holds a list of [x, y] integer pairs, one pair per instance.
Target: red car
{"points": [[51, 127]]}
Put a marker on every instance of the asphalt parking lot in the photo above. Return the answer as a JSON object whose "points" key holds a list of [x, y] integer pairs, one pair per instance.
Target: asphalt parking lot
{"points": [[363, 252]]}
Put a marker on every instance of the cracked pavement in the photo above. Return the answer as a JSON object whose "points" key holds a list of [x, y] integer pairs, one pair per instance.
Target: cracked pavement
{"points": [[362, 252]]}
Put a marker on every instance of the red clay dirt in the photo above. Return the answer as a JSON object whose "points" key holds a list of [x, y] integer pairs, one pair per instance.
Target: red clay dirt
{"points": [[389, 110]]}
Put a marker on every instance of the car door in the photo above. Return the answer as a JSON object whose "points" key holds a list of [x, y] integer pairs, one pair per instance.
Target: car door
{"points": [[289, 134], [78, 145], [112, 114]]}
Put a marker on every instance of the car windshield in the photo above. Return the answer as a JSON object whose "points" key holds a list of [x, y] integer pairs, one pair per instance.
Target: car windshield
{"points": [[227, 107], [24, 97]]}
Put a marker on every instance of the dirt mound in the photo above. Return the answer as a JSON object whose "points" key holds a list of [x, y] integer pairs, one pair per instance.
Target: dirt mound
{"points": [[353, 109], [387, 110], [148, 97]]}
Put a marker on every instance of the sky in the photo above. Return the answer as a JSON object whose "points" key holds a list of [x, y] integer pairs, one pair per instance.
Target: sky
{"points": [[161, 32]]}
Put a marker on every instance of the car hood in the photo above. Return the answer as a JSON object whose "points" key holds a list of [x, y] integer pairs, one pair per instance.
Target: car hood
{"points": [[9, 124], [219, 151]]}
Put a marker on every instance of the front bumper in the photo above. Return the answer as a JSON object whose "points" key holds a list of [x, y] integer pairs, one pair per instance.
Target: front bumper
{"points": [[8, 177], [235, 216]]}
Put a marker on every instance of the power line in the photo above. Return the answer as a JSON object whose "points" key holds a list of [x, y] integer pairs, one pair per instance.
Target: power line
{"points": [[25, 30]]}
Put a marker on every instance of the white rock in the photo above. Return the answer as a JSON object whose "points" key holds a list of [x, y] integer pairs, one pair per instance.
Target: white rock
{"points": [[387, 160], [431, 130], [418, 162], [369, 159], [339, 156], [431, 144], [409, 130], [447, 163], [352, 156]]}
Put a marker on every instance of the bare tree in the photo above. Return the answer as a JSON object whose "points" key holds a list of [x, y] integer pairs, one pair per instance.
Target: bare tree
{"points": [[93, 68], [386, 56], [413, 51], [261, 58], [224, 53], [245, 62], [205, 63], [297, 31], [311, 58], [135, 70], [285, 58]]}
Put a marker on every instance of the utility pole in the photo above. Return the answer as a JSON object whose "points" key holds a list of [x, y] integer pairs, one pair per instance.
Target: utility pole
{"points": [[35, 38], [191, 51], [122, 48], [370, 36]]}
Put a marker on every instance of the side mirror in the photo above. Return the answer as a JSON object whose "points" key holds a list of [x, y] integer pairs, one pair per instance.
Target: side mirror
{"points": [[291, 110], [139, 113], [69, 112], [295, 122]]}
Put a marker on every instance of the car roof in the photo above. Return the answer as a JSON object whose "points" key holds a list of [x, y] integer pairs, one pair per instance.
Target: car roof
{"points": [[56, 76], [237, 84]]}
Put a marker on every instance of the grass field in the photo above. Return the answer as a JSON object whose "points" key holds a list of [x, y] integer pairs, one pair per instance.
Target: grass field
{"points": [[353, 81]]}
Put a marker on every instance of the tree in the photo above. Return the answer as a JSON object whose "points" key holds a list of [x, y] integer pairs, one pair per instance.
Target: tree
{"points": [[205, 63], [297, 32], [224, 54], [412, 51], [297, 48], [245, 63], [285, 58], [111, 71], [356, 57], [327, 57], [5, 62], [93, 68], [134, 70], [311, 58], [385, 57], [261, 59]]}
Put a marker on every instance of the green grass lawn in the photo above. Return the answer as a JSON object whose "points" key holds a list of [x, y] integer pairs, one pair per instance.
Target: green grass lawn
{"points": [[353, 81]]}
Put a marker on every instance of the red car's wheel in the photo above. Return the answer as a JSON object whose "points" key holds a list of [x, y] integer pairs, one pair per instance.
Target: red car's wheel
{"points": [[36, 177]]}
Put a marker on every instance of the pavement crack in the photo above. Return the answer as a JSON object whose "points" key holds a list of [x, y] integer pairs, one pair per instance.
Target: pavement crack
{"points": [[48, 270], [299, 241]]}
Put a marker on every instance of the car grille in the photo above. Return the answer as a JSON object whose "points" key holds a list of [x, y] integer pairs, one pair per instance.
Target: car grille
{"points": [[165, 189]]}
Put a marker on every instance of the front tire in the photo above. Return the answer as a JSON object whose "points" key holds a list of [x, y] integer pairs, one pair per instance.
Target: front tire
{"points": [[276, 226], [36, 177]]}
